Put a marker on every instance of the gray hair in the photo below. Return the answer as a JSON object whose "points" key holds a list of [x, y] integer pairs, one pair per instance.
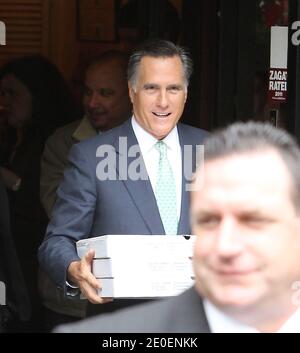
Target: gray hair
{"points": [[256, 137], [158, 48]]}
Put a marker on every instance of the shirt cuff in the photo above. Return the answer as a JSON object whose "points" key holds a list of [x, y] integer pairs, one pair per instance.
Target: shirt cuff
{"points": [[72, 290]]}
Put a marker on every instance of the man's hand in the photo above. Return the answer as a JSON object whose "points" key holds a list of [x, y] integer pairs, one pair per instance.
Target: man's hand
{"points": [[80, 273]]}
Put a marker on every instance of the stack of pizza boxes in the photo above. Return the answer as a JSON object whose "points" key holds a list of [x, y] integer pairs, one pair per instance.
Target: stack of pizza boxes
{"points": [[141, 266]]}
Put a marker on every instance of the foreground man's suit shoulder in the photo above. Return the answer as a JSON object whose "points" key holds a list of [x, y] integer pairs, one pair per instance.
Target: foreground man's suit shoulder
{"points": [[183, 313]]}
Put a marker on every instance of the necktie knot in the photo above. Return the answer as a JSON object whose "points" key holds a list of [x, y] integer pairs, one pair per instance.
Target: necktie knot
{"points": [[161, 148]]}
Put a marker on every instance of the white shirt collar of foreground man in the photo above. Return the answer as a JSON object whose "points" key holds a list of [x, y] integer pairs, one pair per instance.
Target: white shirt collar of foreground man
{"points": [[221, 323]]}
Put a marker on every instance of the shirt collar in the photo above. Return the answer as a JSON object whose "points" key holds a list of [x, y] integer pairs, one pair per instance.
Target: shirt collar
{"points": [[147, 141], [222, 323], [292, 325], [172, 139], [84, 130]]}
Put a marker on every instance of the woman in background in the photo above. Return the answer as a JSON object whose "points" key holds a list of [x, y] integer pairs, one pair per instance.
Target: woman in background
{"points": [[36, 101]]}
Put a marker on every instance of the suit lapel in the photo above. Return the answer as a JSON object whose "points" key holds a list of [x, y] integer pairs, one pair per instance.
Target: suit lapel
{"points": [[191, 313], [140, 190], [188, 165]]}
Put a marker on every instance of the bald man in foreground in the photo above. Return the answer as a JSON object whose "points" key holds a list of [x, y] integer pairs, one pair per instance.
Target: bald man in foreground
{"points": [[245, 211]]}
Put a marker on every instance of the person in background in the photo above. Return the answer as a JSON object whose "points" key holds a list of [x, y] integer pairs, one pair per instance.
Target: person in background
{"points": [[91, 204], [15, 308], [36, 101], [107, 104], [246, 256]]}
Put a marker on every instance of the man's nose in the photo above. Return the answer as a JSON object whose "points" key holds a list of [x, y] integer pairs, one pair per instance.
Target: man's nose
{"points": [[162, 99], [94, 101], [228, 241]]}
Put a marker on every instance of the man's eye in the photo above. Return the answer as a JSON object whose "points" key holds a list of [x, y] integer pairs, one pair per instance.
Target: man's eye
{"points": [[207, 221], [174, 89], [87, 91], [106, 92], [255, 221], [150, 88]]}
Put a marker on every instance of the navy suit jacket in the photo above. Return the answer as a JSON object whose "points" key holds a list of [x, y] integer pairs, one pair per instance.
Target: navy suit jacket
{"points": [[182, 313], [87, 207]]}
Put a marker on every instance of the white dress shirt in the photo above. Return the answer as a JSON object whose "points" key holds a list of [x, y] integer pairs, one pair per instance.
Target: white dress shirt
{"points": [[151, 157], [222, 323]]}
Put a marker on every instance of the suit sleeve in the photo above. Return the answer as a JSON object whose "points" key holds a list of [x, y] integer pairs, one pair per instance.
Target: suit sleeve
{"points": [[72, 216]]}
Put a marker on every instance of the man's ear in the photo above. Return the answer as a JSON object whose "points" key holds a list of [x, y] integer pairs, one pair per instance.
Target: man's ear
{"points": [[131, 92]]}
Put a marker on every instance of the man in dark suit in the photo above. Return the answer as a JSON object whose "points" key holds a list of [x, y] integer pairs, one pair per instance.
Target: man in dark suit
{"points": [[246, 256], [14, 301], [112, 184]]}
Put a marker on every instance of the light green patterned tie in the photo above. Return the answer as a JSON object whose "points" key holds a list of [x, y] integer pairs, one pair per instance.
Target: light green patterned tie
{"points": [[166, 191]]}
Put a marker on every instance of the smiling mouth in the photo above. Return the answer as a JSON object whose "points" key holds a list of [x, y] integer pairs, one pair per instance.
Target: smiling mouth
{"points": [[96, 115], [161, 115], [234, 273]]}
